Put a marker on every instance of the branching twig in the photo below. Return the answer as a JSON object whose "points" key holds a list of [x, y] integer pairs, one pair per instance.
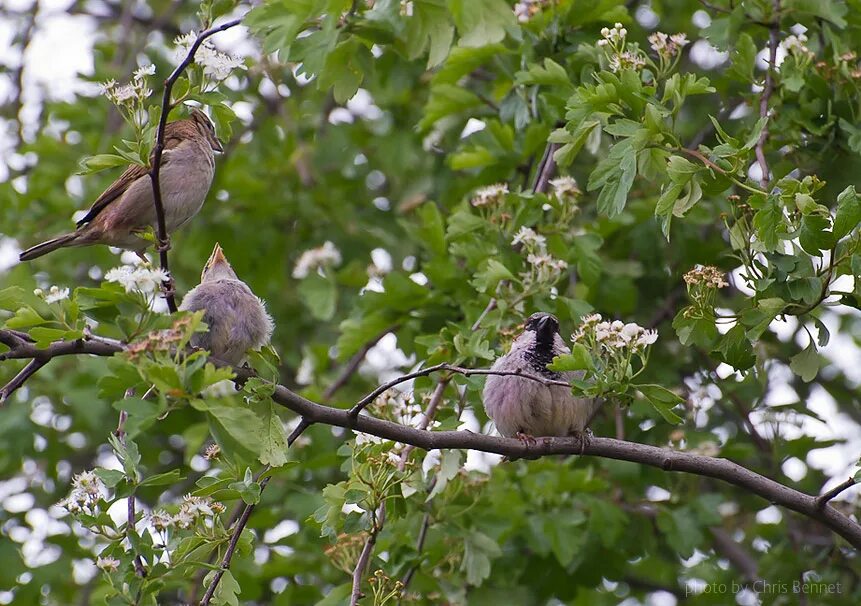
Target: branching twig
{"points": [[822, 499], [368, 549], [18, 380], [546, 168], [768, 89], [242, 521], [353, 365], [467, 372], [131, 516], [653, 456], [163, 238]]}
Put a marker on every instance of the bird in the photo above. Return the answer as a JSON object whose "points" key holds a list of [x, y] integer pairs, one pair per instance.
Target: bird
{"points": [[237, 318], [525, 408], [125, 209]]}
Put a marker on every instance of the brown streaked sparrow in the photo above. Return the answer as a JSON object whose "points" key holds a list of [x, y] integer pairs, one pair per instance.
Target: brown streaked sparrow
{"points": [[525, 408], [126, 207], [236, 317]]}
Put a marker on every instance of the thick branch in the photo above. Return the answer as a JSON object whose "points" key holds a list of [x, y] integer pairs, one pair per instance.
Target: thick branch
{"points": [[163, 238], [662, 458]]}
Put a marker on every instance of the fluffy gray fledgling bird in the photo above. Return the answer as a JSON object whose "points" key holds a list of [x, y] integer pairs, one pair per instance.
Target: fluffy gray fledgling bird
{"points": [[126, 208], [525, 408], [236, 317]]}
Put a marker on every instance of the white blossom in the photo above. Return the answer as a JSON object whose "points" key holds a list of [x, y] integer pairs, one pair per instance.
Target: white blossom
{"points": [[529, 238], [108, 564], [216, 65], [490, 195], [141, 279], [142, 72], [55, 294], [315, 258], [565, 187]]}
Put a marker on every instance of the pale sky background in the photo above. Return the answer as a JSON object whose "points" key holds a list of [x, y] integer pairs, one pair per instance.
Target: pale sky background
{"points": [[62, 50]]}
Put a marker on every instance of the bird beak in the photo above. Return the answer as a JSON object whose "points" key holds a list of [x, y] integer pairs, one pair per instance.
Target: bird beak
{"points": [[217, 256], [546, 326], [217, 145]]}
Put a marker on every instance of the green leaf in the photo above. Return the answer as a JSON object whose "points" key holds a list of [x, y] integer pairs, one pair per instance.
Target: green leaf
{"points": [[320, 295], [449, 467], [272, 442], [111, 477], [848, 212], [486, 279], [578, 359], [171, 477], [663, 400], [743, 58], [806, 363], [93, 164], [478, 551], [735, 349], [337, 596], [343, 69], [429, 28], [481, 22]]}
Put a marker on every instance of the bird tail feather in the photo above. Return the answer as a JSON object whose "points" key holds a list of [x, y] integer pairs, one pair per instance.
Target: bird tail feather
{"points": [[45, 247]]}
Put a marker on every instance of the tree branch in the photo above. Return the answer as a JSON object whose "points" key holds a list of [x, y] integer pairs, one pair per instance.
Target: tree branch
{"points": [[163, 237], [773, 41], [18, 380], [467, 372], [822, 499], [653, 456]]}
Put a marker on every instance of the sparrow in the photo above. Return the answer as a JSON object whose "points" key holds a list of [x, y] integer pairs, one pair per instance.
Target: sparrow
{"points": [[236, 317], [126, 207], [525, 408]]}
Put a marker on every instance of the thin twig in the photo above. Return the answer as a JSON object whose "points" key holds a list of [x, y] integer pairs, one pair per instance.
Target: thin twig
{"points": [[131, 515], [242, 520], [467, 372], [364, 559], [32, 367], [353, 365], [821, 500], [163, 238], [231, 547], [768, 89]]}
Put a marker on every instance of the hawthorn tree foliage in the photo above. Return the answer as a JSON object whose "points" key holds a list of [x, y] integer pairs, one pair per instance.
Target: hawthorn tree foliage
{"points": [[403, 183]]}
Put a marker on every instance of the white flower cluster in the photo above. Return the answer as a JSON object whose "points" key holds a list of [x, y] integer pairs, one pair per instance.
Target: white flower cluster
{"points": [[565, 188], [614, 335], [667, 46], [54, 294], [544, 268], [491, 195], [614, 36], [797, 44], [141, 279], [406, 9], [190, 511], [315, 258], [135, 91], [87, 489], [627, 60], [216, 65], [707, 276]]}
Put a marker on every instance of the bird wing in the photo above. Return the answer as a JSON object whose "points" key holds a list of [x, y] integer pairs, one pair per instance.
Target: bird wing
{"points": [[131, 174]]}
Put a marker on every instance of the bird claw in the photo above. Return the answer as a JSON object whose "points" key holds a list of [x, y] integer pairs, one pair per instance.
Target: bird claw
{"points": [[163, 245], [528, 440], [584, 437]]}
